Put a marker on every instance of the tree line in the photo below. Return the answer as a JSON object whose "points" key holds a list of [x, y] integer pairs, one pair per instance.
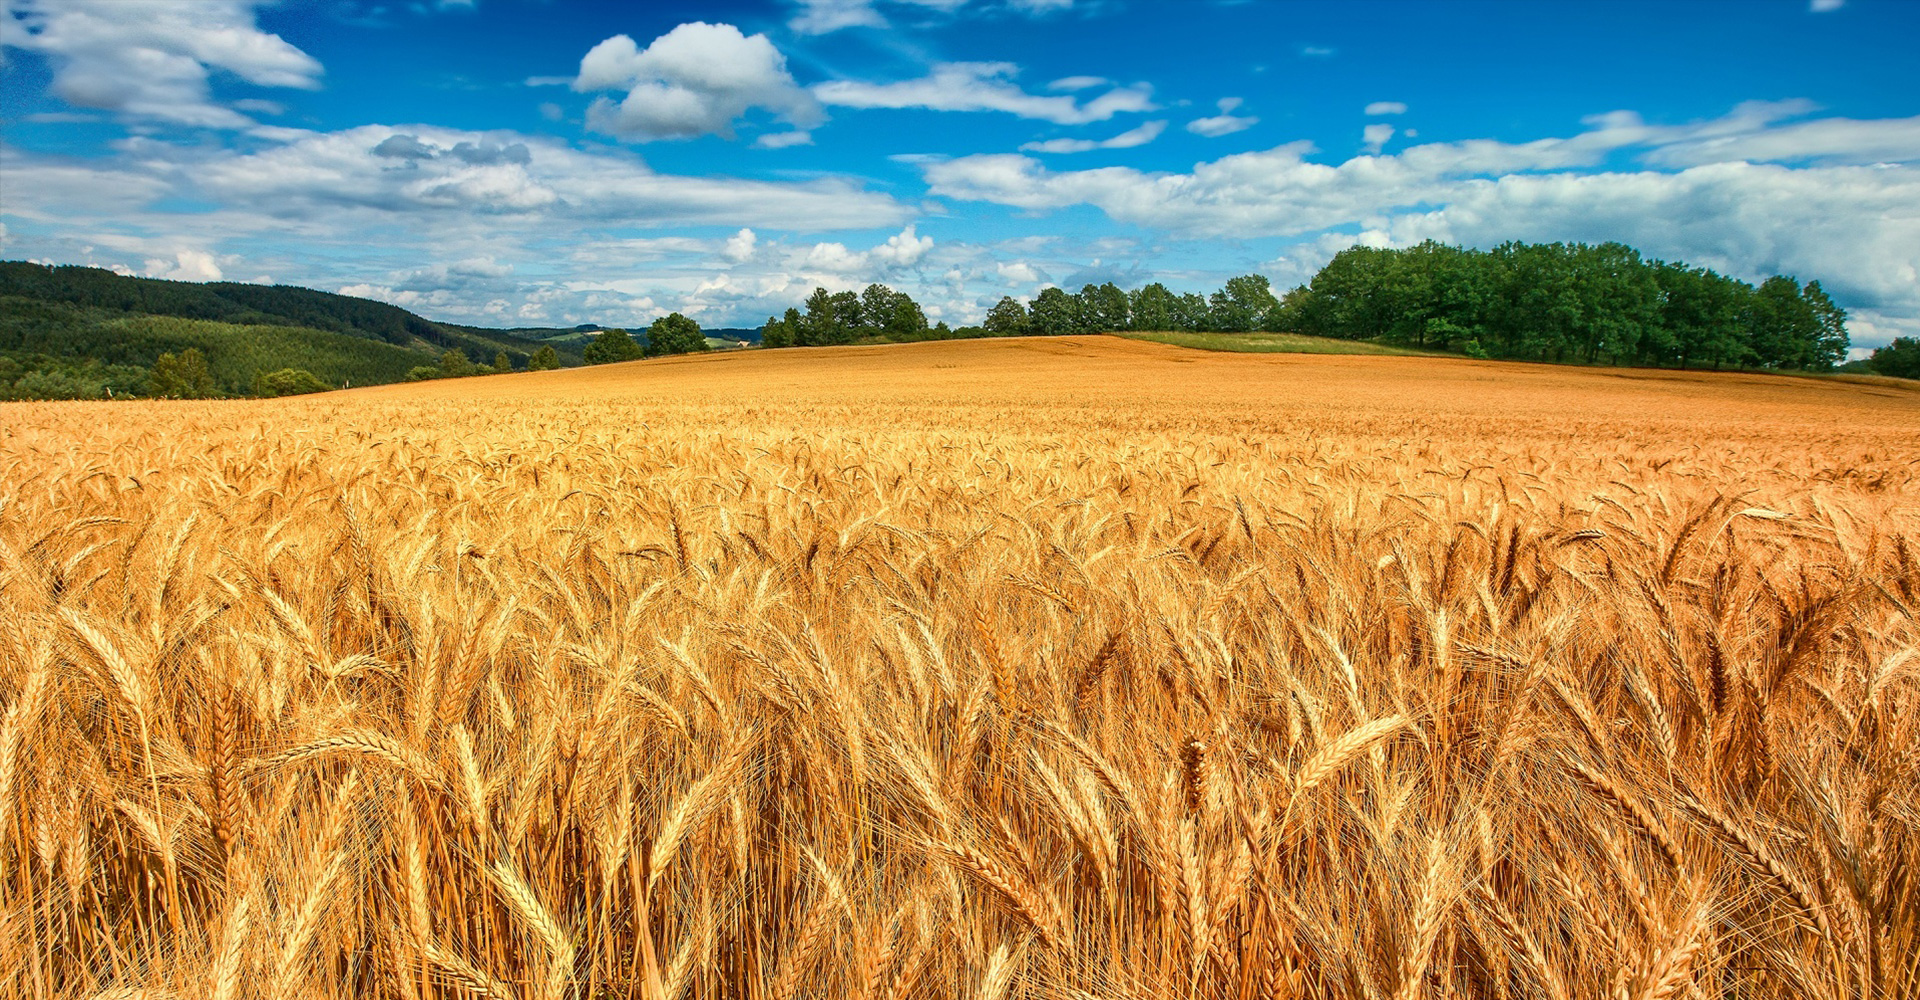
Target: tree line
{"points": [[1593, 304], [1568, 302]]}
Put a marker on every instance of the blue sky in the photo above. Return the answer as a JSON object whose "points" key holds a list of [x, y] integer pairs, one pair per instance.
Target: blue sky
{"points": [[546, 162]]}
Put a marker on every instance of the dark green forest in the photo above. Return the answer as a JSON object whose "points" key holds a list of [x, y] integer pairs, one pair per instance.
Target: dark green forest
{"points": [[88, 333]]}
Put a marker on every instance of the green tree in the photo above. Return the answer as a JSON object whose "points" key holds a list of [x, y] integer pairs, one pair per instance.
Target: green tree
{"points": [[544, 359], [1008, 318], [1783, 323], [1242, 304], [611, 346], [1104, 309], [1289, 314], [905, 320], [876, 311], [776, 333], [674, 334], [1190, 312], [847, 322], [1901, 359], [832, 318], [287, 382], [181, 376], [1054, 313], [1829, 344], [1152, 307], [501, 363], [454, 363]]}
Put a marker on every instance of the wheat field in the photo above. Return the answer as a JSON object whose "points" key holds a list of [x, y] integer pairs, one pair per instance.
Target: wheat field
{"points": [[1075, 669]]}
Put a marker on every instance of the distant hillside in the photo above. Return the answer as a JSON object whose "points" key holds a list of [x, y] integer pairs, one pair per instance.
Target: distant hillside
{"points": [[83, 332]]}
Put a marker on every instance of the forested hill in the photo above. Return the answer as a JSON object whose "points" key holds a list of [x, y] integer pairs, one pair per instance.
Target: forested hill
{"points": [[84, 332]]}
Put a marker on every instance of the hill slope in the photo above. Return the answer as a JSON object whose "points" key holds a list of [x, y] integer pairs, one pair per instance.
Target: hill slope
{"points": [[84, 331]]}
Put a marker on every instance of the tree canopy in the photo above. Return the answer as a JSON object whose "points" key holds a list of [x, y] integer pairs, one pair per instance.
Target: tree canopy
{"points": [[610, 346], [674, 334]]}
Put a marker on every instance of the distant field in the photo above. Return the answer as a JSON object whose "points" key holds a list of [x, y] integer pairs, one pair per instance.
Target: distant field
{"points": [[1282, 343], [1018, 669]]}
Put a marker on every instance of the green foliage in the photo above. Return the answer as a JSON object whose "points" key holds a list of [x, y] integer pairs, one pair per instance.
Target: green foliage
{"points": [[1567, 302], [455, 364], [91, 288], [544, 359], [180, 376], [287, 382], [1900, 359], [1054, 313], [832, 318], [1242, 305], [674, 334], [1008, 318], [611, 346], [778, 332], [501, 363], [1104, 308], [83, 333], [1152, 307]]}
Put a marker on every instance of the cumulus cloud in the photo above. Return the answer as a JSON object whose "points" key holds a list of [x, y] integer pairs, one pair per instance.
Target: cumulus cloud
{"points": [[153, 59], [1374, 137], [984, 86], [186, 265], [698, 79], [739, 247], [1386, 108], [1224, 123], [1146, 133], [901, 250]]}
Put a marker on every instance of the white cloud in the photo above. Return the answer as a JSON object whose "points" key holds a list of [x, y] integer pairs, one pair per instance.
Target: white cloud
{"points": [[819, 17], [902, 250], [1823, 6], [186, 265], [698, 79], [1317, 51], [972, 86], [1146, 133], [1386, 108], [424, 179], [1073, 83], [783, 140], [1224, 123], [1827, 140], [1374, 137], [153, 59], [1018, 273], [739, 247]]}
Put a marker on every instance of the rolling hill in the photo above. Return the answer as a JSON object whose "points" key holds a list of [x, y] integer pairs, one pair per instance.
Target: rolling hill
{"points": [[80, 332]]}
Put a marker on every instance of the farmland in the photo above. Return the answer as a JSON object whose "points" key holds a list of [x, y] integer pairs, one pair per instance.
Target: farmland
{"points": [[1017, 668]]}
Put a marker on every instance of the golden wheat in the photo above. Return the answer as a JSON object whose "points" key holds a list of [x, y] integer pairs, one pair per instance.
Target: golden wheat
{"points": [[1037, 669]]}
